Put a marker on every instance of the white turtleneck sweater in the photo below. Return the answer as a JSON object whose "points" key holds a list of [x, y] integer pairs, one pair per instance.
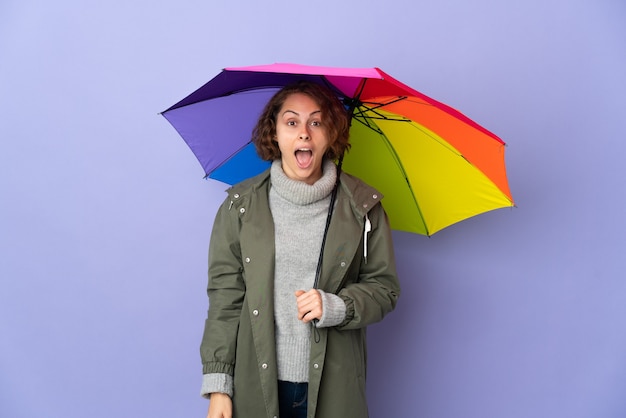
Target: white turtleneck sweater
{"points": [[299, 211]]}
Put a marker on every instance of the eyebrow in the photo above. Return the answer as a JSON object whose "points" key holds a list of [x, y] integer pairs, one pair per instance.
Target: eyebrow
{"points": [[297, 114]]}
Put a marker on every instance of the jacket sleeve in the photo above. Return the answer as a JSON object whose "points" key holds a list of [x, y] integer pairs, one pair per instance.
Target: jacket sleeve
{"points": [[375, 292], [226, 291]]}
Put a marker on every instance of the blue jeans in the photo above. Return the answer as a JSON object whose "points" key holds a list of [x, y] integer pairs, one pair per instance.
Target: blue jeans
{"points": [[292, 399]]}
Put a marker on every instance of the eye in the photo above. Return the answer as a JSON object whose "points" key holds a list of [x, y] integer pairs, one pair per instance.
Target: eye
{"points": [[316, 123], [291, 123]]}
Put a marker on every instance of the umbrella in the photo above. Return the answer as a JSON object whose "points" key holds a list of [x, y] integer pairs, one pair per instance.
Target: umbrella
{"points": [[434, 165]]}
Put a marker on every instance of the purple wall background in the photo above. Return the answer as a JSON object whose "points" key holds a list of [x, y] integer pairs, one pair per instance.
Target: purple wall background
{"points": [[105, 218]]}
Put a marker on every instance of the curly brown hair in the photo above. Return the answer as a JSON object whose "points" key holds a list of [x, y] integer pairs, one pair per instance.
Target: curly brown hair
{"points": [[333, 113]]}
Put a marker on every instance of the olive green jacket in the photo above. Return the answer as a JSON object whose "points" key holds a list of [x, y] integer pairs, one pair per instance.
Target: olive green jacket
{"points": [[239, 330]]}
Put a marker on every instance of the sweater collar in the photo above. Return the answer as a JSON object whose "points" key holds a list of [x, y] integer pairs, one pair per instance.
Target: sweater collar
{"points": [[299, 192]]}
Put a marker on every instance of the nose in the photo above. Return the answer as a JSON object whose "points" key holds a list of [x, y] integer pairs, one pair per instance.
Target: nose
{"points": [[304, 134]]}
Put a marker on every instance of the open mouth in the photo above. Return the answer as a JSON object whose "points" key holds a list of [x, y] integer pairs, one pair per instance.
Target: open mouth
{"points": [[304, 157]]}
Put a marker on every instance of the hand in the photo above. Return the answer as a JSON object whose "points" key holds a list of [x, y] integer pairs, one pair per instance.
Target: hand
{"points": [[309, 305], [220, 406]]}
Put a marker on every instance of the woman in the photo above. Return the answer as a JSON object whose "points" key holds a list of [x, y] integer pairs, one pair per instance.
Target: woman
{"points": [[275, 343]]}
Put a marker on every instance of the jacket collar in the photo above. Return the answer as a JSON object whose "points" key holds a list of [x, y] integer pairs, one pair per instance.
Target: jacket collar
{"points": [[362, 196]]}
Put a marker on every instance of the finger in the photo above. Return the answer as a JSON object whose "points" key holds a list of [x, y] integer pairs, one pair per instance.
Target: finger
{"points": [[311, 315], [306, 302], [310, 307], [303, 310], [302, 300], [310, 294], [308, 317]]}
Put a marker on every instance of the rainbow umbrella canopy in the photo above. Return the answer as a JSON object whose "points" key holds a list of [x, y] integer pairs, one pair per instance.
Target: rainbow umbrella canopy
{"points": [[433, 165]]}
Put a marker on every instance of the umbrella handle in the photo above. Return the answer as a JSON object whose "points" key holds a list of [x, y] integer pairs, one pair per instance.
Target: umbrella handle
{"points": [[318, 270], [333, 197]]}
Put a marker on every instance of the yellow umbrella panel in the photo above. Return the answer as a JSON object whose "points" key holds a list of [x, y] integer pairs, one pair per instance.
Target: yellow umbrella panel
{"points": [[427, 183]]}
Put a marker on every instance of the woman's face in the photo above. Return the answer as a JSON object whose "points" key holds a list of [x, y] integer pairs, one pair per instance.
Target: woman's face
{"points": [[301, 137]]}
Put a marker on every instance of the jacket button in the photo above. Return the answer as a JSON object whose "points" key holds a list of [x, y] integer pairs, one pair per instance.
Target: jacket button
{"points": [[247, 259], [365, 205], [264, 366], [375, 196], [316, 366], [236, 195], [242, 210], [343, 264], [255, 312]]}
